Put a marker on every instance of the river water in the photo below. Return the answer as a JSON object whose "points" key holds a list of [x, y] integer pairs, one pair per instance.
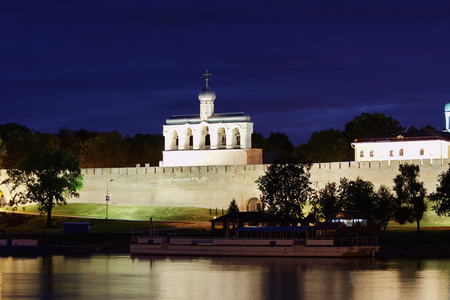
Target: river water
{"points": [[124, 277]]}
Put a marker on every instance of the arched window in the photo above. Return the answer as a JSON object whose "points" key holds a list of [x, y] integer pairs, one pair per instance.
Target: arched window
{"points": [[189, 142], [361, 153], [236, 138], [205, 141], [2, 199], [422, 151], [371, 153], [400, 152], [253, 205], [174, 141], [221, 138], [391, 153]]}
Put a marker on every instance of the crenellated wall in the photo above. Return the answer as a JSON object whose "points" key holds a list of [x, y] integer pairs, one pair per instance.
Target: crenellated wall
{"points": [[377, 172], [215, 186], [205, 186]]}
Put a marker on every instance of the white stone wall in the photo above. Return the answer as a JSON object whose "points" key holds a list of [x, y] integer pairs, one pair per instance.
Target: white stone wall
{"points": [[392, 150], [207, 187], [228, 157], [215, 186]]}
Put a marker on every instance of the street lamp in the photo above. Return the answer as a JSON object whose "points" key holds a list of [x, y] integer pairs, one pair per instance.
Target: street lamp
{"points": [[107, 198]]}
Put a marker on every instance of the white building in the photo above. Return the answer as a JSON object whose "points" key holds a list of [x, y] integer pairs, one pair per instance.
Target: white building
{"points": [[208, 138], [422, 144]]}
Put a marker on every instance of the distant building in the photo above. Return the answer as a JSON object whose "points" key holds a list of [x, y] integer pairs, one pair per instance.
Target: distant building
{"points": [[208, 138], [422, 144]]}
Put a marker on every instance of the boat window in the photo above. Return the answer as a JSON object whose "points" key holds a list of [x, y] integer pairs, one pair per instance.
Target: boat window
{"points": [[218, 225]]}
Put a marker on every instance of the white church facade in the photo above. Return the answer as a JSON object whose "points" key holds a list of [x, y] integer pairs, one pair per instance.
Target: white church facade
{"points": [[422, 144], [209, 138]]}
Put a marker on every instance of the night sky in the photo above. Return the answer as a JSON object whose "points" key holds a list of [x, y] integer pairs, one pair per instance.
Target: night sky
{"points": [[294, 66]]}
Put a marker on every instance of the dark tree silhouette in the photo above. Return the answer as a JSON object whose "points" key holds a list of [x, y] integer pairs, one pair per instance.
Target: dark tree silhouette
{"points": [[233, 208], [441, 197], [410, 201], [46, 177], [285, 189]]}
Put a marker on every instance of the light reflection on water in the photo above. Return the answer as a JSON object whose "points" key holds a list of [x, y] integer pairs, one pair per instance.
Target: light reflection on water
{"points": [[121, 277]]}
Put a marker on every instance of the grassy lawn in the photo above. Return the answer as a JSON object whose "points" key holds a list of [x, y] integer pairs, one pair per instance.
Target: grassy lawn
{"points": [[157, 213], [127, 219], [407, 235]]}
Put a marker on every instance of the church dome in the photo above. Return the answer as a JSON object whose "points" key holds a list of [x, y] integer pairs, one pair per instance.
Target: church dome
{"points": [[447, 106], [207, 94]]}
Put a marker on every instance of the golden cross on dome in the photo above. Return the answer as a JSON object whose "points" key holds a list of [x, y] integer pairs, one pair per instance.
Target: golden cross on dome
{"points": [[207, 75]]}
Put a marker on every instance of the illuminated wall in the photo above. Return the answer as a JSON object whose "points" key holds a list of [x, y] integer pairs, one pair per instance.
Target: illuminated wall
{"points": [[216, 186], [401, 150]]}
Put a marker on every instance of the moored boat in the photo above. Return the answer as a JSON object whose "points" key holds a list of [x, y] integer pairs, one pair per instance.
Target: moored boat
{"points": [[338, 247]]}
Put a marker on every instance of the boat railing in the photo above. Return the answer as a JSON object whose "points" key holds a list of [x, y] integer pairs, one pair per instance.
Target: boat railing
{"points": [[356, 241], [342, 242]]}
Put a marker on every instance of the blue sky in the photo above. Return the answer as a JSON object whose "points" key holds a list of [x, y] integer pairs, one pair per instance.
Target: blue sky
{"points": [[294, 66]]}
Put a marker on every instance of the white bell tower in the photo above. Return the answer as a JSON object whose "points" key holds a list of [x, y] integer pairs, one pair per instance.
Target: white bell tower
{"points": [[206, 97]]}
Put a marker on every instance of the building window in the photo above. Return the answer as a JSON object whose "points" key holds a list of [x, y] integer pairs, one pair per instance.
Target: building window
{"points": [[371, 153], [391, 153], [361, 153], [207, 141], [218, 225], [422, 151], [400, 152], [253, 205]]}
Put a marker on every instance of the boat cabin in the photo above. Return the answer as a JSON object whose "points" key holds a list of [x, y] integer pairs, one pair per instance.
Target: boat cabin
{"points": [[328, 229], [355, 221], [226, 225]]}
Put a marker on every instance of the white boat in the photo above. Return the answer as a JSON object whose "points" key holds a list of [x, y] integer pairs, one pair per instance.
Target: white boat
{"points": [[336, 247]]}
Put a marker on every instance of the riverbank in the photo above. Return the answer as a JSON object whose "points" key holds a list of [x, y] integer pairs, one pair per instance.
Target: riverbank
{"points": [[113, 236]]}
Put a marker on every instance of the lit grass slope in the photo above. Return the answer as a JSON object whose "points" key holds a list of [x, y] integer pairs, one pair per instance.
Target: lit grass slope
{"points": [[157, 213]]}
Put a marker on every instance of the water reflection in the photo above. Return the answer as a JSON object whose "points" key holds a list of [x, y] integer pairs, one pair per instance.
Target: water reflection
{"points": [[119, 277]]}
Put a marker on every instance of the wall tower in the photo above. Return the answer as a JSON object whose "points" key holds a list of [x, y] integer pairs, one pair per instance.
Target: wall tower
{"points": [[209, 138]]}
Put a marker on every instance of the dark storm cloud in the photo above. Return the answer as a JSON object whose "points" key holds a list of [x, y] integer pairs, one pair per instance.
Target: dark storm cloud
{"points": [[295, 67]]}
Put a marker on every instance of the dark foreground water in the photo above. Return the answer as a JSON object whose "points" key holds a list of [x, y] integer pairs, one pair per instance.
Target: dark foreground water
{"points": [[122, 277]]}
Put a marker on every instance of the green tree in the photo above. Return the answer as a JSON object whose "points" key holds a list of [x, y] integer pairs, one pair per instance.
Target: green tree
{"points": [[75, 140], [278, 143], [2, 152], [144, 148], [441, 197], [46, 177], [233, 208], [356, 195], [258, 140], [285, 189], [326, 201], [372, 125], [106, 150], [324, 146], [383, 207], [410, 201], [17, 140], [412, 128]]}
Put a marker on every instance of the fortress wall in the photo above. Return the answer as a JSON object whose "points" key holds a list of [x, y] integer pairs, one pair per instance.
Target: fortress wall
{"points": [[378, 172], [215, 186], [205, 186]]}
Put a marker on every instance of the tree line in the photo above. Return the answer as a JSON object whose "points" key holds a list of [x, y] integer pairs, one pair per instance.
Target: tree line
{"points": [[96, 149], [335, 145], [91, 148], [286, 189]]}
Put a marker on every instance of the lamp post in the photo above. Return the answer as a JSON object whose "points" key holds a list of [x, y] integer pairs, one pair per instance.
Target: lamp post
{"points": [[107, 198]]}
